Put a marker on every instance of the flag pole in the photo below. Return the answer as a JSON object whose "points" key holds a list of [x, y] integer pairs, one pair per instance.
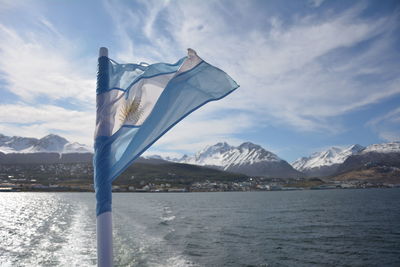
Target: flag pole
{"points": [[101, 168]]}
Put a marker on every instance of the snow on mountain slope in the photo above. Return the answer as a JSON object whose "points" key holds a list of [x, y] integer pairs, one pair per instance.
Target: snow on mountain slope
{"points": [[225, 156], [393, 147], [248, 158], [332, 156], [47, 144], [76, 148], [15, 143]]}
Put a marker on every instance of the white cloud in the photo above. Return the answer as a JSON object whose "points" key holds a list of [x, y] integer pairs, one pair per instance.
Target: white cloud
{"points": [[316, 3], [387, 126], [41, 63], [301, 76], [7, 5], [140, 24], [203, 128], [25, 120], [281, 71]]}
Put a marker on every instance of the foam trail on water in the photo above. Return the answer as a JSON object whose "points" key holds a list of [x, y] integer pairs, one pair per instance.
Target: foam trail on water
{"points": [[80, 246], [140, 237]]}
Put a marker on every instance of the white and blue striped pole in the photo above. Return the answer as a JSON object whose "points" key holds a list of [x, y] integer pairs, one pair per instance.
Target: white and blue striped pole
{"points": [[101, 164]]}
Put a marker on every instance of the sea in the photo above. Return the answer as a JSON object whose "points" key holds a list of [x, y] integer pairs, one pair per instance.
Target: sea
{"points": [[274, 228]]}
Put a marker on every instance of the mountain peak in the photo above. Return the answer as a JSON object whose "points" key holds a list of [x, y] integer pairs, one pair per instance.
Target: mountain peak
{"points": [[223, 144], [220, 147], [329, 157], [224, 155], [247, 158], [356, 148], [49, 143], [249, 145], [390, 147], [52, 136]]}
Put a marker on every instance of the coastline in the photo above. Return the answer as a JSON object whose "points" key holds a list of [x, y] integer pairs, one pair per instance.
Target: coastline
{"points": [[182, 190]]}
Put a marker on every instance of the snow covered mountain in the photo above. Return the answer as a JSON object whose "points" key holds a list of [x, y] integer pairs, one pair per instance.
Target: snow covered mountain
{"points": [[248, 158], [326, 162], [393, 147], [334, 155], [225, 156], [376, 160], [49, 144]]}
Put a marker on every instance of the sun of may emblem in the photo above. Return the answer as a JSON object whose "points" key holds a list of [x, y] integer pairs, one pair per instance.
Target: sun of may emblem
{"points": [[131, 111]]}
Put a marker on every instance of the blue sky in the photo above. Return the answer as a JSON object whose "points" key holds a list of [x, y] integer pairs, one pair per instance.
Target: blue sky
{"points": [[313, 74]]}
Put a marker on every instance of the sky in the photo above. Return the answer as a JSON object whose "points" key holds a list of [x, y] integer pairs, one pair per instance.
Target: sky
{"points": [[313, 74]]}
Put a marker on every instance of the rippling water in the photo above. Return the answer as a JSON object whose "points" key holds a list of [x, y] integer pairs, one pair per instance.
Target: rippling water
{"points": [[296, 228], [46, 229]]}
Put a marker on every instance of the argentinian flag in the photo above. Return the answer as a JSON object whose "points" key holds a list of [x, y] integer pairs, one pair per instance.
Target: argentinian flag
{"points": [[138, 103]]}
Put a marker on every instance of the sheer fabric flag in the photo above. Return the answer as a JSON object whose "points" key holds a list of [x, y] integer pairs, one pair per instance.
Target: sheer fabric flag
{"points": [[142, 102]]}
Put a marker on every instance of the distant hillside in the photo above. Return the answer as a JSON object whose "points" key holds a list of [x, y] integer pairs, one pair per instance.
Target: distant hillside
{"points": [[376, 175], [369, 160], [377, 163], [174, 173], [45, 158], [51, 168], [53, 158]]}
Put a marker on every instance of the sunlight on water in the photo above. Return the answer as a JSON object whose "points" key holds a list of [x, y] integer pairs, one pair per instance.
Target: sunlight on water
{"points": [[45, 229]]}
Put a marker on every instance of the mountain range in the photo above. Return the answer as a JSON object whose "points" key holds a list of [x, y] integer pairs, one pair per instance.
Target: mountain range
{"points": [[49, 144], [337, 160], [248, 158], [253, 160], [326, 162]]}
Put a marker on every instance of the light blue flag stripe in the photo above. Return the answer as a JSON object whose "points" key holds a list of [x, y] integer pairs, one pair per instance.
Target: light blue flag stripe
{"points": [[116, 71], [184, 93]]}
